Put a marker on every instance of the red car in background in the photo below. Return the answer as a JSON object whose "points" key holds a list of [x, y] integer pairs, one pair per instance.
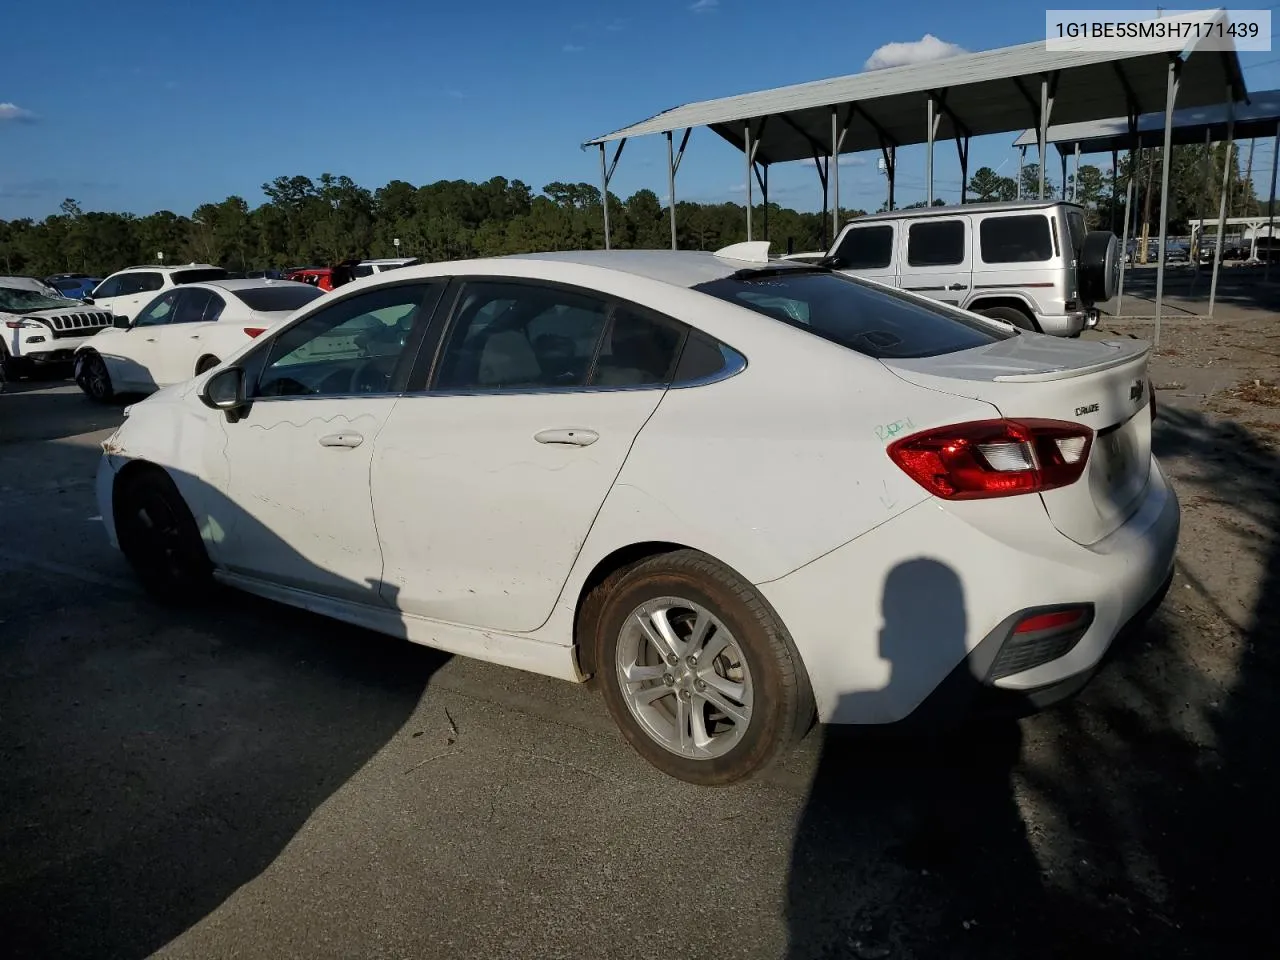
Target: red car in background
{"points": [[316, 276]]}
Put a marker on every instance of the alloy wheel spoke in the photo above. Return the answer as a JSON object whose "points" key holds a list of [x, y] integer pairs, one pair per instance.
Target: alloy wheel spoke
{"points": [[683, 719], [637, 673], [734, 691], [648, 695], [648, 623], [714, 647], [701, 736], [722, 703]]}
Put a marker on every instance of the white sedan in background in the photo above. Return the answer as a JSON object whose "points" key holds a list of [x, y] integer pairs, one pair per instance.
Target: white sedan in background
{"points": [[742, 493], [183, 332]]}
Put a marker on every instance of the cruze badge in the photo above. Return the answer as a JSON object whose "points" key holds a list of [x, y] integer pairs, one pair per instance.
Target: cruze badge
{"points": [[1091, 408], [1135, 392]]}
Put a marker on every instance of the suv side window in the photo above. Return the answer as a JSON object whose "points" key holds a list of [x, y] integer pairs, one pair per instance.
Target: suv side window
{"points": [[1024, 238], [866, 248], [160, 311], [939, 243], [109, 287], [353, 348]]}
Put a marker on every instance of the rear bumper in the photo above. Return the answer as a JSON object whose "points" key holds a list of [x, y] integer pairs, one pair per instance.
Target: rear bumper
{"points": [[1063, 324], [908, 619]]}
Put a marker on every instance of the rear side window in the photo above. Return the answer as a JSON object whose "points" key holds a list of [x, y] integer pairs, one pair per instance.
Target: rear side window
{"points": [[1021, 239], [854, 314], [866, 248], [199, 276], [937, 243], [290, 296], [131, 283]]}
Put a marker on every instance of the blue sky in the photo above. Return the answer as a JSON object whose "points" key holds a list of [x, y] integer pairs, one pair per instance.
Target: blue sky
{"points": [[141, 106]]}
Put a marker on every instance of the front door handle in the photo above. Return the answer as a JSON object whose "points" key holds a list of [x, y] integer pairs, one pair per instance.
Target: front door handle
{"points": [[349, 440], [574, 436], [195, 336], [955, 286]]}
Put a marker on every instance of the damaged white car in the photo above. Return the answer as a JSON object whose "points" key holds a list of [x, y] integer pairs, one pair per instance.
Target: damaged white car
{"points": [[41, 328]]}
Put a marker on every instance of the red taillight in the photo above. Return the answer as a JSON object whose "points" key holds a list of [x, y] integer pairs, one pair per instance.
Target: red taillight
{"points": [[255, 332], [994, 458], [13, 324], [1051, 621]]}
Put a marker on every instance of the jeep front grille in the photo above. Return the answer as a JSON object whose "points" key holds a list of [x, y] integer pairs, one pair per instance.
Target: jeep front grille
{"points": [[78, 324]]}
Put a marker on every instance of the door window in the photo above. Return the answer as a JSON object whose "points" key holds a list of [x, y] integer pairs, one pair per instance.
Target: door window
{"points": [[938, 243], [354, 347], [159, 312], [866, 248], [142, 282], [191, 306], [107, 288]]}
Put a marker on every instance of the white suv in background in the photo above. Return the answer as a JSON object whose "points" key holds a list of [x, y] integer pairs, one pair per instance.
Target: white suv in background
{"points": [[127, 291]]}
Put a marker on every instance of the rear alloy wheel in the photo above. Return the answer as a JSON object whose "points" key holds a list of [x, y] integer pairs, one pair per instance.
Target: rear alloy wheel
{"points": [[1009, 315], [92, 377], [697, 671], [159, 538]]}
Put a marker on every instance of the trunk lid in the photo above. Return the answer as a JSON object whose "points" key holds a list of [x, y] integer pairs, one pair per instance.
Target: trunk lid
{"points": [[1100, 383]]}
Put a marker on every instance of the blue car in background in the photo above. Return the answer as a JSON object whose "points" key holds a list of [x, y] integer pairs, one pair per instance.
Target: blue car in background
{"points": [[73, 286]]}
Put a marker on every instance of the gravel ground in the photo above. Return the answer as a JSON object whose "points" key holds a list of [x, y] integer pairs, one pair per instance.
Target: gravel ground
{"points": [[252, 781]]}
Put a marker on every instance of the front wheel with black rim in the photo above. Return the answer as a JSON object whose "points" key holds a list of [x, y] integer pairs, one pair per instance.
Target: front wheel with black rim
{"points": [[697, 670], [92, 377], [159, 537], [205, 364]]}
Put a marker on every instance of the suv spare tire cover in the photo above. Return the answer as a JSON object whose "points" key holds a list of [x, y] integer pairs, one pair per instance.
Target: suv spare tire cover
{"points": [[1099, 266]]}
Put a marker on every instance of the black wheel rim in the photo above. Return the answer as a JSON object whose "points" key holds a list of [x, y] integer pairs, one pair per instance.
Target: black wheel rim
{"points": [[158, 538], [95, 378]]}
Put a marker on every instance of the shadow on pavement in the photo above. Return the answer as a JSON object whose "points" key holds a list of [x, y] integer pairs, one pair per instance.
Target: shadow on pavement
{"points": [[1138, 820], [44, 410], [156, 763]]}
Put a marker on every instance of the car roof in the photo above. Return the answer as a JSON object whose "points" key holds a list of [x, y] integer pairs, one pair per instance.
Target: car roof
{"points": [[383, 260], [246, 283], [994, 206], [169, 267], [681, 268]]}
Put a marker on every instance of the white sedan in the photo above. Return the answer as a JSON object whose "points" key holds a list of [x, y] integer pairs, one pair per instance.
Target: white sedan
{"points": [[742, 493], [182, 332]]}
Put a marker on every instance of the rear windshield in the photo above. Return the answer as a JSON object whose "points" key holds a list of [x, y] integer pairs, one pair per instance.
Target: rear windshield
{"points": [[866, 318], [279, 299], [199, 276]]}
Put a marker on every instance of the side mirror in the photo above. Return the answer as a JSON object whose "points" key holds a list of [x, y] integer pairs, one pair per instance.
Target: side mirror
{"points": [[120, 323], [87, 300], [225, 391]]}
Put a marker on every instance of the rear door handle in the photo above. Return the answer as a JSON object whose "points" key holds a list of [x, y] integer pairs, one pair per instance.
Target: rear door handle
{"points": [[955, 286], [574, 436], [349, 440]]}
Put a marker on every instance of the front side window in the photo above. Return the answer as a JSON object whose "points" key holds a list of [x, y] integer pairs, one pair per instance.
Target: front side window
{"points": [[936, 243], [352, 348], [109, 287], [854, 313], [160, 311], [866, 248], [1019, 239]]}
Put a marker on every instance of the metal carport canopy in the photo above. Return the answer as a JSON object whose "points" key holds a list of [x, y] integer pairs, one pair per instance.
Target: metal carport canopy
{"points": [[997, 91], [1257, 118]]}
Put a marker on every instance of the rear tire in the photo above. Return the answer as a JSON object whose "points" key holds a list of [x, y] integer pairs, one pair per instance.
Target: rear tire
{"points": [[159, 538], [729, 693], [1010, 315], [205, 364], [92, 377], [1099, 268], [11, 368]]}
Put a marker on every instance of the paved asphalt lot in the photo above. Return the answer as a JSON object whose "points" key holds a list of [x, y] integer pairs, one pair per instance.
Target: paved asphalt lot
{"points": [[251, 781]]}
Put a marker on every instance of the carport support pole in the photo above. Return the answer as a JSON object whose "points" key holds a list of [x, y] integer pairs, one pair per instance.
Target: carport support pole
{"points": [[1075, 179], [1124, 241], [1170, 98], [1271, 210], [671, 187], [746, 139], [1043, 140], [928, 163], [1115, 162], [1022, 158], [1062, 155], [1222, 212], [835, 175], [604, 194]]}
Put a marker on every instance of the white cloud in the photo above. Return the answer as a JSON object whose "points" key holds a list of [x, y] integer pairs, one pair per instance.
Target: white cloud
{"points": [[704, 6], [11, 111], [846, 160], [923, 50], [617, 26], [572, 48], [457, 95]]}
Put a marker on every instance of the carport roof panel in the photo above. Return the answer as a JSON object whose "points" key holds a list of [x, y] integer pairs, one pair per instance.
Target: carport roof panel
{"points": [[996, 91], [1257, 118]]}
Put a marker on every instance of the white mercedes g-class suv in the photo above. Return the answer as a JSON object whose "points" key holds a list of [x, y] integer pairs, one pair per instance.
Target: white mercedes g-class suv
{"points": [[1033, 264]]}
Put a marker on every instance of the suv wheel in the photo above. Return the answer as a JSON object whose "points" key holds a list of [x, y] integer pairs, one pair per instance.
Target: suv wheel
{"points": [[1009, 315]]}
